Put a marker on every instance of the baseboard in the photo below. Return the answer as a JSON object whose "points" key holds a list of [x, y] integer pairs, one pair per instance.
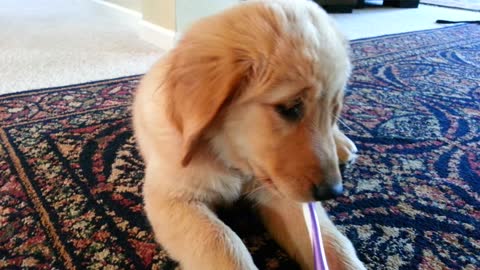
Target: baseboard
{"points": [[132, 13], [161, 37], [157, 35]]}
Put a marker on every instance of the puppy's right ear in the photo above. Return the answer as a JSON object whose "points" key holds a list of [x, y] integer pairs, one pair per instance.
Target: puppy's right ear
{"points": [[203, 76]]}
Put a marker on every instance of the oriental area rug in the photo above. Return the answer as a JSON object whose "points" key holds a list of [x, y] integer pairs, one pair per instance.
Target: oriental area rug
{"points": [[71, 177]]}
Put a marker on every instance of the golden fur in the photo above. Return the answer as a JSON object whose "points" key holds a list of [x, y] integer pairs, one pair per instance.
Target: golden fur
{"points": [[207, 122]]}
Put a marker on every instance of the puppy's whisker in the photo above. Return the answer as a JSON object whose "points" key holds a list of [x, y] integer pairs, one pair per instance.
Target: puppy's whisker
{"points": [[343, 123], [255, 190], [262, 200]]}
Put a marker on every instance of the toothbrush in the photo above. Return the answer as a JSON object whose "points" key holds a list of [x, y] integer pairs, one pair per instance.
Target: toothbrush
{"points": [[313, 226]]}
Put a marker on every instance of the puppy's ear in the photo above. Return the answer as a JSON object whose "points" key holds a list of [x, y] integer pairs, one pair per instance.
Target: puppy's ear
{"points": [[202, 79]]}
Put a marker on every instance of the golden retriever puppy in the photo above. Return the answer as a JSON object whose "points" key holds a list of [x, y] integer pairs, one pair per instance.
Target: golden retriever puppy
{"points": [[246, 103]]}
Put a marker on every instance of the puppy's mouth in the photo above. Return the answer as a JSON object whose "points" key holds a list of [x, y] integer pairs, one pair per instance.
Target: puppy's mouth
{"points": [[268, 182], [261, 176]]}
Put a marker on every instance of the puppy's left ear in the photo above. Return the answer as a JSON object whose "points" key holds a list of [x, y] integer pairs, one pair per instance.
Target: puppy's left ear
{"points": [[202, 79]]}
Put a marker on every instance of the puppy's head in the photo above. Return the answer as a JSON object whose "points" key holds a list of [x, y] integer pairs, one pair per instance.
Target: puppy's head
{"points": [[262, 84]]}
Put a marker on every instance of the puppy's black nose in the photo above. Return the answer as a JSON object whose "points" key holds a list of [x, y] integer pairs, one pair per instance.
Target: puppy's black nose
{"points": [[327, 192]]}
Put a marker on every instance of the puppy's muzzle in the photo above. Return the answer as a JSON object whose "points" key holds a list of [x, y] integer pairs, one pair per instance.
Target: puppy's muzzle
{"points": [[327, 191], [331, 188]]}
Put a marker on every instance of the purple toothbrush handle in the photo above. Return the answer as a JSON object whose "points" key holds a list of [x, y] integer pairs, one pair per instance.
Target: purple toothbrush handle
{"points": [[320, 262]]}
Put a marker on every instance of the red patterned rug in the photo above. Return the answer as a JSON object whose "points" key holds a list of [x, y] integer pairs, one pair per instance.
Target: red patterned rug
{"points": [[70, 176]]}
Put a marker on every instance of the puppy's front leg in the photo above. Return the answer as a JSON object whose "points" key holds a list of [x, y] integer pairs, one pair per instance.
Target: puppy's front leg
{"points": [[338, 248], [193, 235], [284, 219]]}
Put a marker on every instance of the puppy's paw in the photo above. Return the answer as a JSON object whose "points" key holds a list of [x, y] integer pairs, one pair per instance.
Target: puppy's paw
{"points": [[346, 149], [355, 264], [347, 261]]}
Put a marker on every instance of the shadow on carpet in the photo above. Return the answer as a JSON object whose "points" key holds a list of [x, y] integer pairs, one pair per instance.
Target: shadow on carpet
{"points": [[70, 176]]}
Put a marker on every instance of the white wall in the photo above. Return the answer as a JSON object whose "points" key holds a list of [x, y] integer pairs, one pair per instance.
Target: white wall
{"points": [[188, 11], [135, 5]]}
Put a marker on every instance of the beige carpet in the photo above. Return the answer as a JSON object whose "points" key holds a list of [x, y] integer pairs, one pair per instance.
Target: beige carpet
{"points": [[45, 43], [376, 21], [463, 4]]}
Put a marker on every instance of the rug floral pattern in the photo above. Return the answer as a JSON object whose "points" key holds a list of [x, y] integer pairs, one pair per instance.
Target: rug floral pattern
{"points": [[70, 175]]}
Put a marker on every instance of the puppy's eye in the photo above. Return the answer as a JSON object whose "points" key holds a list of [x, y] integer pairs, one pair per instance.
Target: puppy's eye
{"points": [[291, 112]]}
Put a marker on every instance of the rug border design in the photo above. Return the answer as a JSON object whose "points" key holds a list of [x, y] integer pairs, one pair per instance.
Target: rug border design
{"points": [[32, 194], [407, 33], [66, 87]]}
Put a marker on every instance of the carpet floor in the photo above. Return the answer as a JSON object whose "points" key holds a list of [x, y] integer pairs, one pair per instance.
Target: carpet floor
{"points": [[70, 176], [48, 43], [473, 5]]}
